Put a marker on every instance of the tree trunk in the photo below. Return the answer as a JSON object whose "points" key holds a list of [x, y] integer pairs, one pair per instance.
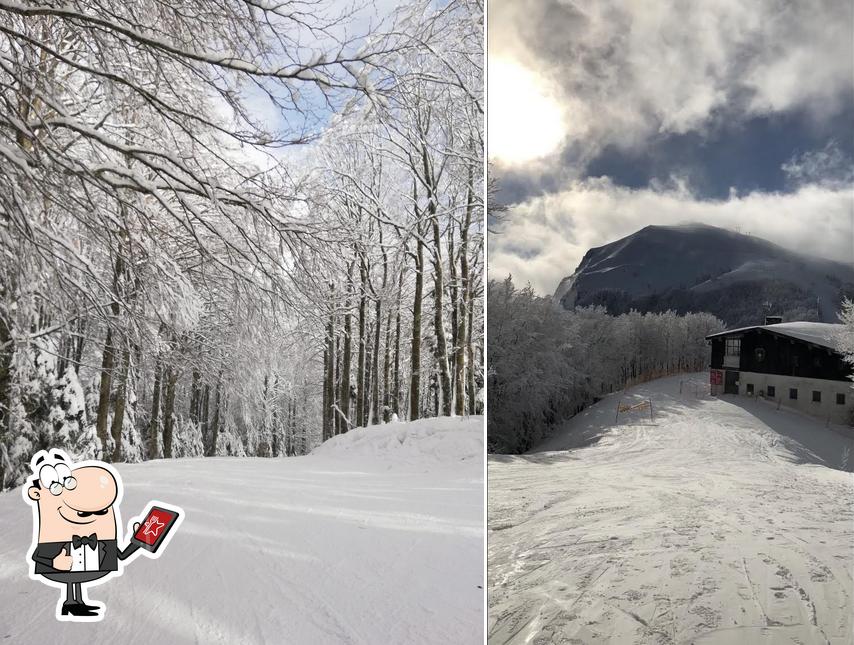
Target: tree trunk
{"points": [[330, 340], [345, 360], [337, 423], [396, 399], [263, 447], [360, 368], [325, 415], [61, 354], [291, 437], [215, 424], [463, 337], [81, 339], [107, 362], [119, 410], [154, 424], [472, 385], [439, 320], [195, 397], [109, 358], [169, 412], [436, 397], [274, 425], [375, 378], [6, 354], [386, 416], [329, 385], [454, 288], [206, 395], [415, 360], [369, 352]]}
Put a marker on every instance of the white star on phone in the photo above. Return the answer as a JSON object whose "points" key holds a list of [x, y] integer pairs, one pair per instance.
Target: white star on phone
{"points": [[152, 527]]}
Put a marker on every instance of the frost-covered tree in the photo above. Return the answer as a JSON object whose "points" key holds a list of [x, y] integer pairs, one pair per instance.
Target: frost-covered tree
{"points": [[847, 336], [72, 430], [47, 410], [398, 314], [157, 237], [547, 364]]}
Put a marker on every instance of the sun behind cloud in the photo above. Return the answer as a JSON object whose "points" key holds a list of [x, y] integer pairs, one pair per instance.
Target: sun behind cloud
{"points": [[525, 121]]}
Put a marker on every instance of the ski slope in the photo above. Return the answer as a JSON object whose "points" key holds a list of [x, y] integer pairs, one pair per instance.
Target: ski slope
{"points": [[377, 537], [720, 521]]}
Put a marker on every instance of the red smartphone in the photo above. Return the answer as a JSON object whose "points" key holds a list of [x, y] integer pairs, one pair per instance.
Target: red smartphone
{"points": [[154, 528]]}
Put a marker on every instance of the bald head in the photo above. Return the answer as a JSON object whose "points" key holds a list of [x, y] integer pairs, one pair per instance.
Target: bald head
{"points": [[82, 509]]}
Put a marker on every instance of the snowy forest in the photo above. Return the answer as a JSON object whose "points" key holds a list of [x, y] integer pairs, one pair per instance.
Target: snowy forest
{"points": [[546, 363], [235, 228], [846, 342]]}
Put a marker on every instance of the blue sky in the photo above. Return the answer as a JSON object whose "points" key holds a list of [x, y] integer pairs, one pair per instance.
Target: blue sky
{"points": [[361, 20], [609, 115], [746, 156]]}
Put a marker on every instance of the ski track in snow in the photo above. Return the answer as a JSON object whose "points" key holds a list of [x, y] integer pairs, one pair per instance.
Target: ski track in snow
{"points": [[355, 546], [722, 521]]}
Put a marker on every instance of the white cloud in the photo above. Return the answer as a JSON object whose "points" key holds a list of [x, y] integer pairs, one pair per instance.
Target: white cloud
{"points": [[829, 166], [637, 69], [543, 240]]}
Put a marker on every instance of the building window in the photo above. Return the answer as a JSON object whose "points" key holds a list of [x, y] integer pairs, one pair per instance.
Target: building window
{"points": [[793, 393], [750, 389], [771, 391], [816, 396], [733, 347], [840, 399]]}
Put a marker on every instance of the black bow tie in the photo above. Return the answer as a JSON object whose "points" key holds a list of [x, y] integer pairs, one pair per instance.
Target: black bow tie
{"points": [[91, 541]]}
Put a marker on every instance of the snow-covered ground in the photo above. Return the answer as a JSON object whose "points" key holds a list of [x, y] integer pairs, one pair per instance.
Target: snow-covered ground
{"points": [[377, 537], [720, 521]]}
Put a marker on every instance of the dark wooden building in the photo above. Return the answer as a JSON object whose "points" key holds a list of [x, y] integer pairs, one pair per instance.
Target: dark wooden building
{"points": [[797, 364]]}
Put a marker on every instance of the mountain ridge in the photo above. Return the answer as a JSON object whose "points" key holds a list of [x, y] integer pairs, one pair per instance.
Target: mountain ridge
{"points": [[699, 267]]}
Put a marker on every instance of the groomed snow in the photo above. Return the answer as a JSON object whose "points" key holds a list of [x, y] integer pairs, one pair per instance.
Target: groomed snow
{"points": [[375, 538], [721, 521]]}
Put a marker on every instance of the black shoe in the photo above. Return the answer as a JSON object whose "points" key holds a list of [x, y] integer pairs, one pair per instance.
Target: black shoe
{"points": [[78, 609]]}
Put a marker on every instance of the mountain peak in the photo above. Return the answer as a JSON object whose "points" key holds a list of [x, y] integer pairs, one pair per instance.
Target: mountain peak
{"points": [[699, 267]]}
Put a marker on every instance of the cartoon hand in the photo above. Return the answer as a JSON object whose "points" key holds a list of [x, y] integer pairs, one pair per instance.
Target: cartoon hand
{"points": [[62, 562]]}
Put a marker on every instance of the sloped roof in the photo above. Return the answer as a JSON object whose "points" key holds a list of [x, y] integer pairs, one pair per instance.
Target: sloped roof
{"points": [[821, 334]]}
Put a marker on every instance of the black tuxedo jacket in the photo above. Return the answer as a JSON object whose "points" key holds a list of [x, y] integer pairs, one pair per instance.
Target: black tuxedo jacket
{"points": [[109, 555]]}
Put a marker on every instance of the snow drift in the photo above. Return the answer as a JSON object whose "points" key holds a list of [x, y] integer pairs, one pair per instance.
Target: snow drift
{"points": [[442, 440]]}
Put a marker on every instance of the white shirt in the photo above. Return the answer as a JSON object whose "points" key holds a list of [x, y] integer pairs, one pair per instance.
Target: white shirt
{"points": [[85, 558]]}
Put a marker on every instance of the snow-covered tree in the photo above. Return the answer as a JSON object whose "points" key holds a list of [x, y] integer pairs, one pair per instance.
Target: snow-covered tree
{"points": [[547, 364], [846, 339], [158, 238], [72, 430]]}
